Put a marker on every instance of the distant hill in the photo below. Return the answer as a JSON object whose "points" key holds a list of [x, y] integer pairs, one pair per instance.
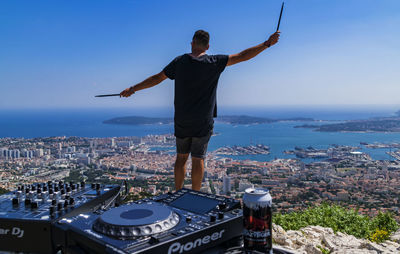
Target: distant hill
{"points": [[375, 124], [242, 119], [372, 125]]}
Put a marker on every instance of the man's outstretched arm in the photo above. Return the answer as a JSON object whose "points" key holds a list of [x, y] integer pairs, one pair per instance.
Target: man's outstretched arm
{"points": [[147, 83], [253, 51]]}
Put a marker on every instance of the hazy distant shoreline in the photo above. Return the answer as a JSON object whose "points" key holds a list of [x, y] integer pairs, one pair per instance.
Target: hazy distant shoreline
{"points": [[383, 125], [232, 119]]}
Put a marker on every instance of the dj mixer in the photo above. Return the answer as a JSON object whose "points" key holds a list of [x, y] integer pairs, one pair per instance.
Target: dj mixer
{"points": [[28, 213]]}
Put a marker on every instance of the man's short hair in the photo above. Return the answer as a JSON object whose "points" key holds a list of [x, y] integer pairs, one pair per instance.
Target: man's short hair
{"points": [[201, 37]]}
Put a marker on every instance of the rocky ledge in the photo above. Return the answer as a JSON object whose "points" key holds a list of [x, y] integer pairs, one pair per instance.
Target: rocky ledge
{"points": [[320, 240]]}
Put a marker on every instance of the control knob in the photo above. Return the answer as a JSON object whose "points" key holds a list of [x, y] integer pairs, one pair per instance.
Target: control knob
{"points": [[213, 218], [34, 205], [221, 206], [15, 201]]}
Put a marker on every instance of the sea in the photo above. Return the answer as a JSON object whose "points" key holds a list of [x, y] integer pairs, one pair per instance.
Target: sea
{"points": [[279, 136]]}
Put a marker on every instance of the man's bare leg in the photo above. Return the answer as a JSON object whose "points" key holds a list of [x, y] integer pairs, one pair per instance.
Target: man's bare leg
{"points": [[180, 169], [197, 172]]}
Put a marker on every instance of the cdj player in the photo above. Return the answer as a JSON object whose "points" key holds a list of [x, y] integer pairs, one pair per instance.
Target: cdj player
{"points": [[186, 221], [27, 215]]}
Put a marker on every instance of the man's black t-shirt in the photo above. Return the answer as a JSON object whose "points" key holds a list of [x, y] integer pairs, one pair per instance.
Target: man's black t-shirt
{"points": [[196, 80]]}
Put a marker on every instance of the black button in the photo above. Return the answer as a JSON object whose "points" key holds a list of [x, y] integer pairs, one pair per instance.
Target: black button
{"points": [[59, 206], [71, 201], [221, 206], [34, 205], [54, 202], [153, 240], [51, 209], [220, 215], [213, 218], [188, 219], [15, 201], [27, 201]]}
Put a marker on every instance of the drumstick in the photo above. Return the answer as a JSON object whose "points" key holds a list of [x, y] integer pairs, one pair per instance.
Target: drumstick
{"points": [[108, 95], [280, 16]]}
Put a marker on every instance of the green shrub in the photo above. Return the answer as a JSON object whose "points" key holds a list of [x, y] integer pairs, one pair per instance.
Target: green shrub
{"points": [[323, 250], [339, 219]]}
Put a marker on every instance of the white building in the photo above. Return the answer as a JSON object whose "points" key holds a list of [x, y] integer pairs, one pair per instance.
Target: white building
{"points": [[244, 184], [226, 184]]}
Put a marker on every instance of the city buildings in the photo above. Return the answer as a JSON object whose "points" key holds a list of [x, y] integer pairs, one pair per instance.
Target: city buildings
{"points": [[147, 163]]}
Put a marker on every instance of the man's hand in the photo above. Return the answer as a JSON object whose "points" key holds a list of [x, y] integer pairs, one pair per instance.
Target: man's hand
{"points": [[273, 39], [147, 83], [127, 92]]}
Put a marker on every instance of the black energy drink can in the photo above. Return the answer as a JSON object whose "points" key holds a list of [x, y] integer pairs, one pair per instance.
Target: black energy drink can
{"points": [[257, 220]]}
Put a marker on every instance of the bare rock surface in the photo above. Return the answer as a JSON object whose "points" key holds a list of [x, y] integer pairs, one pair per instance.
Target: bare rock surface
{"points": [[395, 237], [320, 240]]}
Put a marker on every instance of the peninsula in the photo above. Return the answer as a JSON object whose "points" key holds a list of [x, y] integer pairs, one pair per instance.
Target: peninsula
{"points": [[389, 124]]}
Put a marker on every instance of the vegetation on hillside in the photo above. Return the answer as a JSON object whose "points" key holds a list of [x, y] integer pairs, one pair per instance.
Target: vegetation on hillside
{"points": [[340, 219], [2, 191]]}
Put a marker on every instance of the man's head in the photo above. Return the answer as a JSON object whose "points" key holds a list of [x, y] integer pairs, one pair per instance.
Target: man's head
{"points": [[201, 40]]}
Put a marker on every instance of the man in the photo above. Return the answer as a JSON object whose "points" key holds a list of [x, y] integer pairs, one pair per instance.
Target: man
{"points": [[196, 77]]}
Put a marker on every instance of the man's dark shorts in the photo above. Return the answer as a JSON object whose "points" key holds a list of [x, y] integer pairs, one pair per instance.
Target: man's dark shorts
{"points": [[197, 146]]}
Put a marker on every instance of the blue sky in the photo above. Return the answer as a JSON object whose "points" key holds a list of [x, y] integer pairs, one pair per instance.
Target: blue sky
{"points": [[59, 54]]}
